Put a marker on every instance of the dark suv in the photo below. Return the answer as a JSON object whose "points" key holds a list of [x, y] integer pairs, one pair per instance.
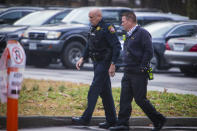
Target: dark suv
{"points": [[36, 18], [10, 15], [65, 41]]}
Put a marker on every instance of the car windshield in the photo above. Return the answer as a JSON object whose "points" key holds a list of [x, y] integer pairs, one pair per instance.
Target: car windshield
{"points": [[36, 18], [77, 16], [80, 16], [158, 30]]}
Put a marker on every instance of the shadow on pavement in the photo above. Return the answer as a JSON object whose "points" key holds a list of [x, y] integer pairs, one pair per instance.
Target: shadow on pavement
{"points": [[95, 128]]}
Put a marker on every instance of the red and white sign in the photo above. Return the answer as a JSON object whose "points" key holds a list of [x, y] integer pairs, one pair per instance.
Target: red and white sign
{"points": [[12, 64], [18, 55], [15, 81]]}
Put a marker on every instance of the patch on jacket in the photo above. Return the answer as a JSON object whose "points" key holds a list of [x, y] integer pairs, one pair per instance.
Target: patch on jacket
{"points": [[111, 29], [98, 28]]}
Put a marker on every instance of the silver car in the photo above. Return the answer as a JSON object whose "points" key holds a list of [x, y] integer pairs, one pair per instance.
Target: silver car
{"points": [[182, 52]]}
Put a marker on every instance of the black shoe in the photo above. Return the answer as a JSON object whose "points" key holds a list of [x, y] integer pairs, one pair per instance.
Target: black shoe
{"points": [[106, 125], [119, 128], [79, 121], [158, 126]]}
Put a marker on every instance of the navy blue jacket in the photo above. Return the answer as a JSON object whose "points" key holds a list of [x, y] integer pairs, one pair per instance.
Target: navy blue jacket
{"points": [[138, 49], [105, 36]]}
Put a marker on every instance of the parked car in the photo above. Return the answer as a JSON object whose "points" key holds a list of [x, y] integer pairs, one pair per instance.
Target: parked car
{"points": [[37, 18], [65, 41], [145, 18], [146, 10], [12, 14], [161, 32], [182, 53]]}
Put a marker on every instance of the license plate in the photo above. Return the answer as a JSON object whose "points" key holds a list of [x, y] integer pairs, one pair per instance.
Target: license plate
{"points": [[32, 46], [178, 47]]}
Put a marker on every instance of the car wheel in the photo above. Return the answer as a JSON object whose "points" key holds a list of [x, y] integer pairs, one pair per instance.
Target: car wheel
{"points": [[154, 63], [189, 71], [72, 53]]}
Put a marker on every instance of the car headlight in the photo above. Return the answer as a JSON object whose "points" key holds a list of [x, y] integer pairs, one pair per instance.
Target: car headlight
{"points": [[25, 34], [53, 35], [15, 35], [20, 34]]}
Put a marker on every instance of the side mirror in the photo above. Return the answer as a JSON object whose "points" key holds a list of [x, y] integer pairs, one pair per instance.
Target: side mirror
{"points": [[2, 21]]}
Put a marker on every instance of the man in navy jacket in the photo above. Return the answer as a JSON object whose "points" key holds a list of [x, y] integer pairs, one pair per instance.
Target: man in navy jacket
{"points": [[137, 54]]}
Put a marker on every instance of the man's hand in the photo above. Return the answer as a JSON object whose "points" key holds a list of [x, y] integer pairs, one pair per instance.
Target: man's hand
{"points": [[112, 70], [79, 63]]}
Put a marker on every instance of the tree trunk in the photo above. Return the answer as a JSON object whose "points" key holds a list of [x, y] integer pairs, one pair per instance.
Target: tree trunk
{"points": [[191, 9], [84, 2], [131, 3], [3, 1], [103, 2], [109, 2]]}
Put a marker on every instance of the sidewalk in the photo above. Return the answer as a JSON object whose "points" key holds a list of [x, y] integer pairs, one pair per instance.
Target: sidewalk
{"points": [[95, 128], [49, 123]]}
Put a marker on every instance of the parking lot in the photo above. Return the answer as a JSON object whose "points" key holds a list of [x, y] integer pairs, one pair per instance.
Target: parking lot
{"points": [[49, 34], [169, 80]]}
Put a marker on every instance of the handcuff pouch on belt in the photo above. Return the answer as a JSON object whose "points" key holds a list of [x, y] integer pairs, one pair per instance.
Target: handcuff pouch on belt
{"points": [[100, 55], [95, 56]]}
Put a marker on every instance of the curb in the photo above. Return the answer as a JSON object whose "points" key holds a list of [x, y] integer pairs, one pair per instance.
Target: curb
{"points": [[49, 121]]}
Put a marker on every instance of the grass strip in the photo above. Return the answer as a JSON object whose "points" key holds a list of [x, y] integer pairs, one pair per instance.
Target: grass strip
{"points": [[58, 98]]}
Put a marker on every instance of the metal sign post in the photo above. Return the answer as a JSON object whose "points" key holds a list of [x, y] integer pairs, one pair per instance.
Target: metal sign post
{"points": [[14, 60]]}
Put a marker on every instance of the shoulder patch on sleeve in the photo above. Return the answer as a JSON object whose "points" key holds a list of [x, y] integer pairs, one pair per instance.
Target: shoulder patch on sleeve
{"points": [[111, 29]]}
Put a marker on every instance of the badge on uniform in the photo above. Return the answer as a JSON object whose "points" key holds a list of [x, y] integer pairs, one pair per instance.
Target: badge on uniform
{"points": [[132, 38], [111, 29], [98, 28]]}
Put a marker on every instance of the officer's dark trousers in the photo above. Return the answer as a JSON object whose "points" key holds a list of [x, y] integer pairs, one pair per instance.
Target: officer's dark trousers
{"points": [[135, 86], [101, 85]]}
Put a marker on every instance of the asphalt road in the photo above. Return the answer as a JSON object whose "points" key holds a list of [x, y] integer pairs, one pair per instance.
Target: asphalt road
{"points": [[171, 81]]}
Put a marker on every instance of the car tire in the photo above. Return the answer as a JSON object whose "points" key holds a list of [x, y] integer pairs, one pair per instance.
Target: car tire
{"points": [[154, 63], [71, 54], [188, 71]]}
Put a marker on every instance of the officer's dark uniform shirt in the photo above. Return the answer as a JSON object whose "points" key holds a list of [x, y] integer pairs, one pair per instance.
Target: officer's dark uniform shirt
{"points": [[138, 50], [102, 37]]}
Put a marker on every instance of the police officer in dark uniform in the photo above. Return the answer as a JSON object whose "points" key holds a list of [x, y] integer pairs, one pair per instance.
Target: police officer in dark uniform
{"points": [[137, 54], [103, 48]]}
